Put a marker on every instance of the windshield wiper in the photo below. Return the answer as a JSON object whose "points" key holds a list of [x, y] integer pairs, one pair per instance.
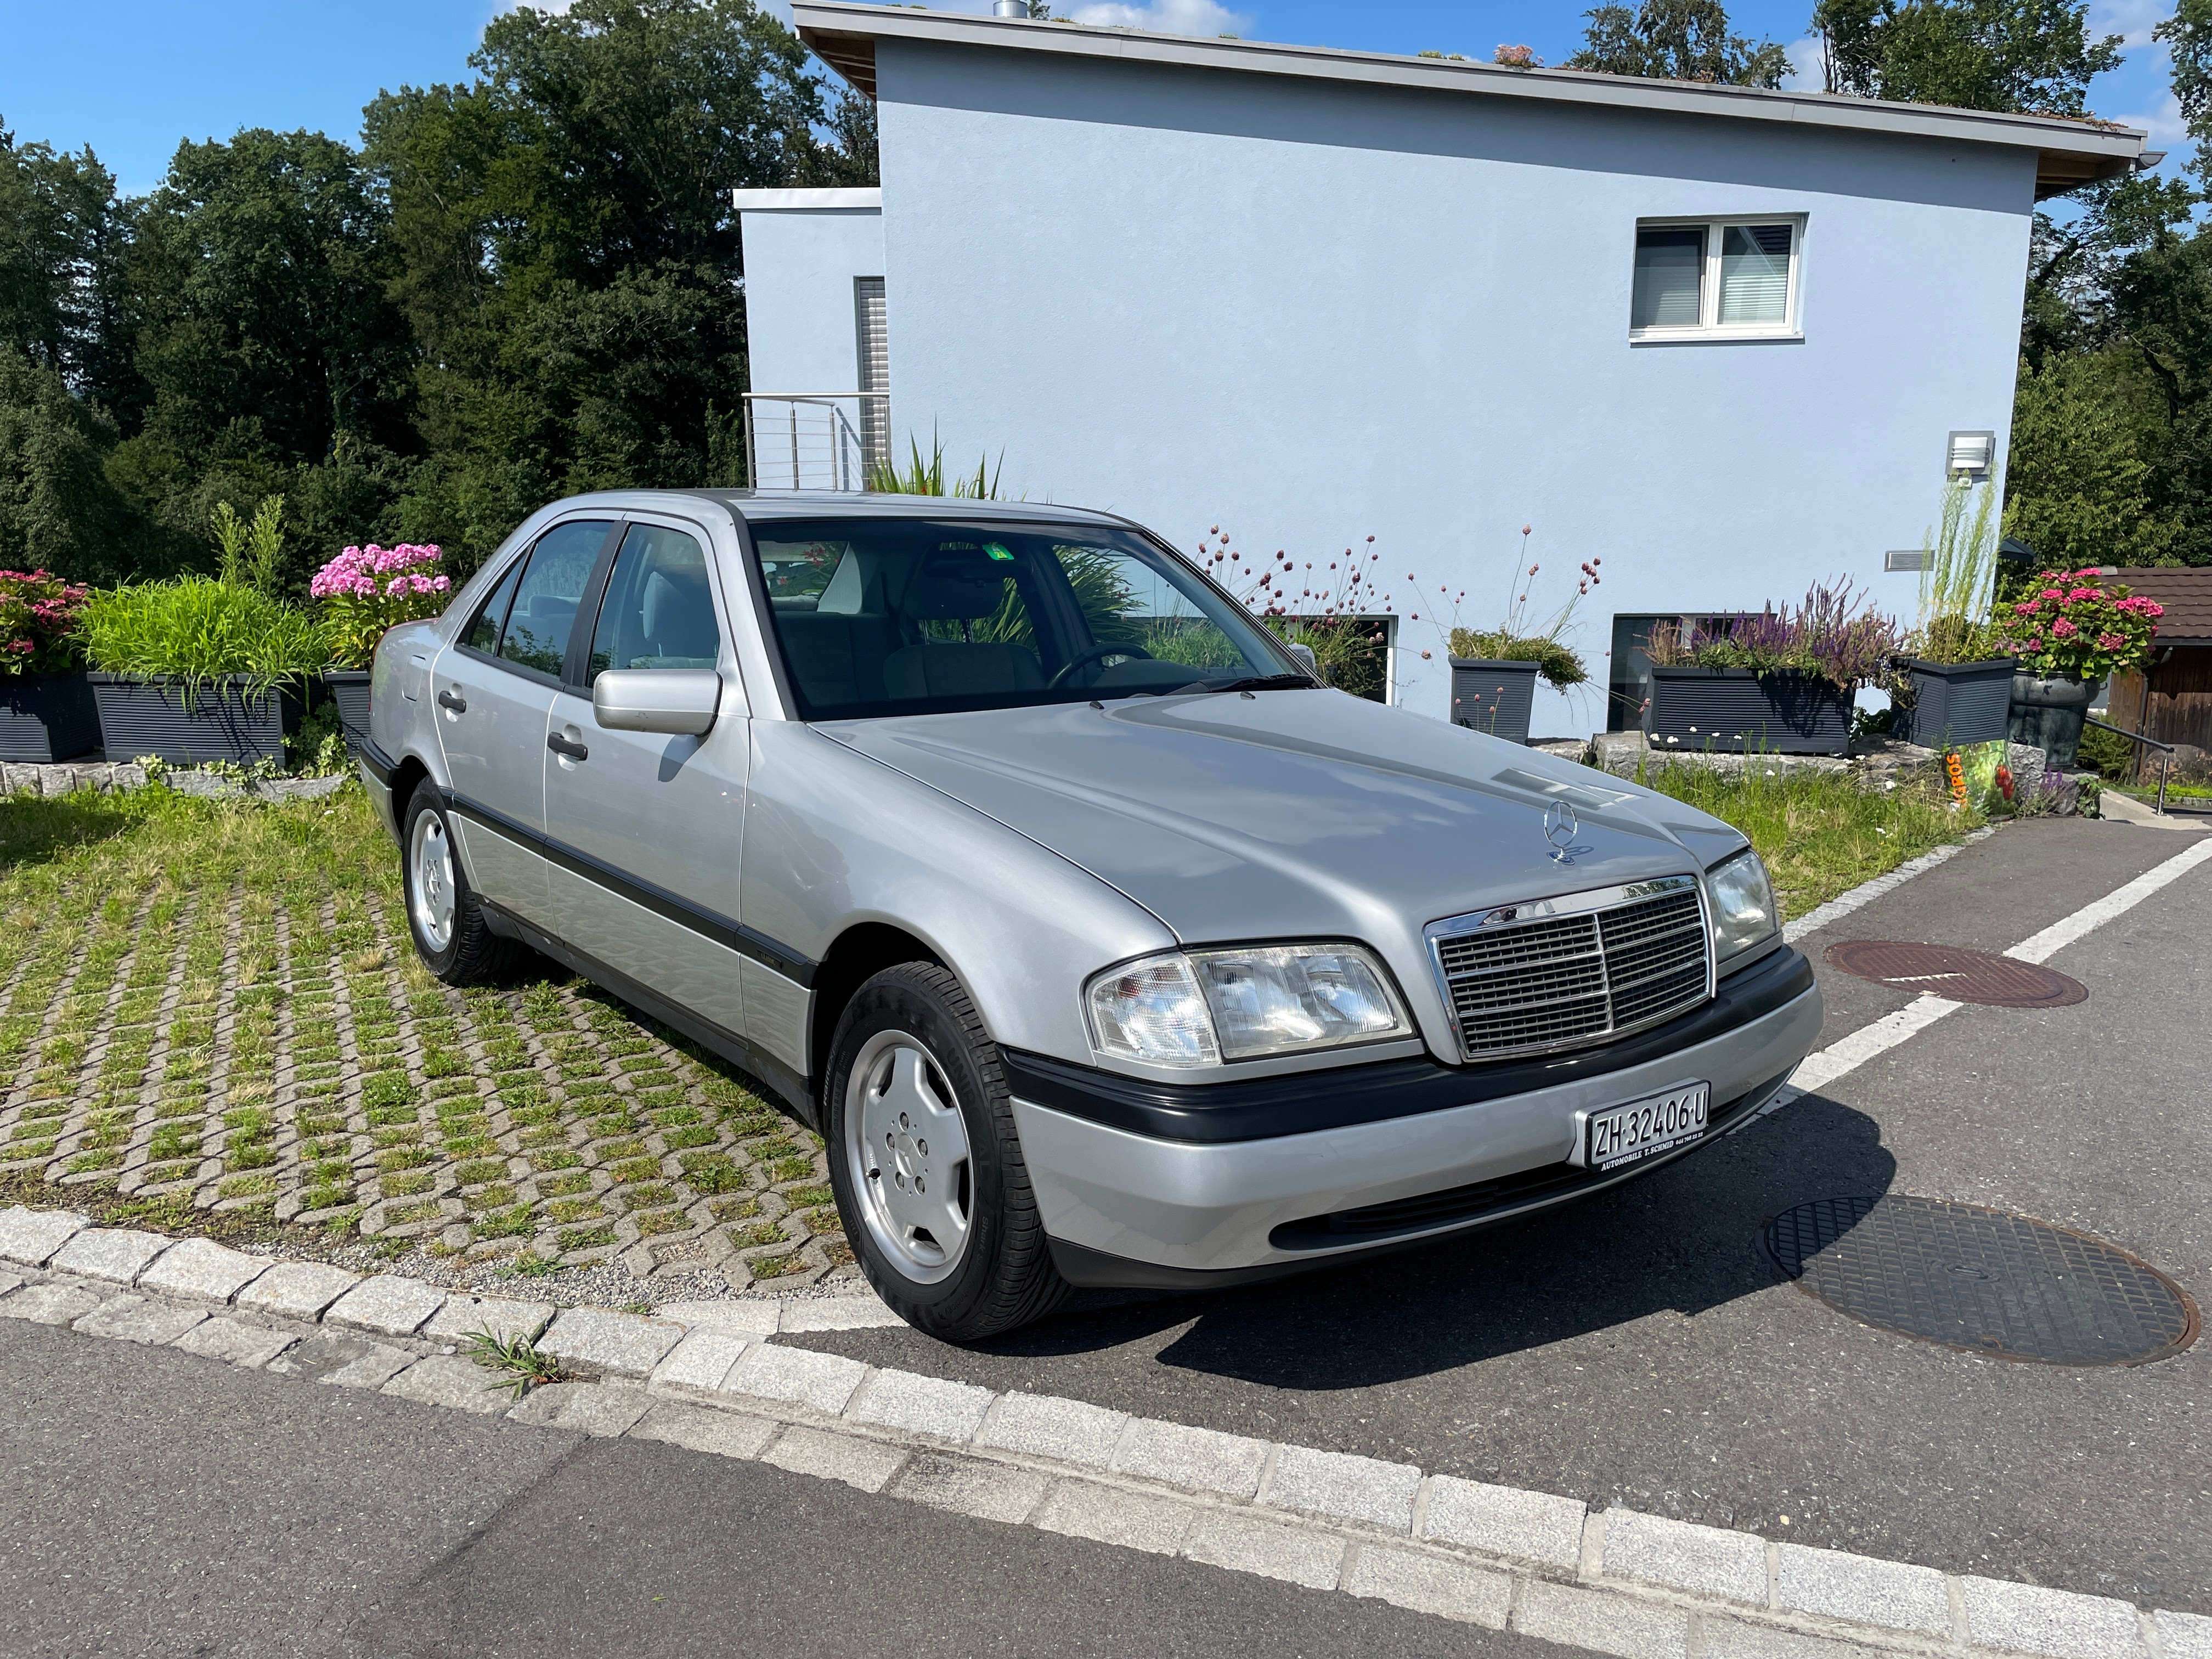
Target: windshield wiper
{"points": [[1253, 682]]}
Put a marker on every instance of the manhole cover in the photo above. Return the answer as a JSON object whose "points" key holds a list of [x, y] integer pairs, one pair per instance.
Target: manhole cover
{"points": [[1962, 976], [1982, 1281]]}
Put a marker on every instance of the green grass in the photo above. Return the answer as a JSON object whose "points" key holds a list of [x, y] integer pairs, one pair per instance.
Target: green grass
{"points": [[1820, 833]]}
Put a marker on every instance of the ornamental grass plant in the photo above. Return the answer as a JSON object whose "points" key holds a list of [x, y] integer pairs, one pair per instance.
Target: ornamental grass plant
{"points": [[1522, 638], [1958, 579], [196, 630]]}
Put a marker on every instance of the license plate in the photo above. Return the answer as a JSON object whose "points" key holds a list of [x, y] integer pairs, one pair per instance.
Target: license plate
{"points": [[1621, 1135]]}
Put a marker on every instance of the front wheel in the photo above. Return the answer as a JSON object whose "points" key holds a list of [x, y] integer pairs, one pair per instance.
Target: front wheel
{"points": [[925, 1163], [444, 917]]}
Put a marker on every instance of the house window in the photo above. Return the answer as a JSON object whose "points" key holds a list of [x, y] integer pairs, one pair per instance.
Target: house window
{"points": [[1715, 279]]}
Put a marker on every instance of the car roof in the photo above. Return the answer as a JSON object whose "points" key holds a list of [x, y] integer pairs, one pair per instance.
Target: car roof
{"points": [[758, 507]]}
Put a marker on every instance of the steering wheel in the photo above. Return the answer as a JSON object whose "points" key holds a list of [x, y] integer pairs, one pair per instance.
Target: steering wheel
{"points": [[1093, 654]]}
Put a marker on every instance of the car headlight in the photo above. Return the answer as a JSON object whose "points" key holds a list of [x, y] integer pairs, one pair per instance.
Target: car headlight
{"points": [[1743, 904], [1200, 1007]]}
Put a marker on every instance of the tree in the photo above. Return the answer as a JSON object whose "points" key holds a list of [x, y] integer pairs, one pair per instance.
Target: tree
{"points": [[62, 230], [2077, 490], [1677, 41], [58, 507], [2024, 55]]}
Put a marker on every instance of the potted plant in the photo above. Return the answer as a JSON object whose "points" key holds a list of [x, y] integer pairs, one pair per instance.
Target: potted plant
{"points": [[2069, 632], [364, 591], [1956, 684], [1494, 670], [1330, 622], [204, 668], [46, 711], [1780, 681]]}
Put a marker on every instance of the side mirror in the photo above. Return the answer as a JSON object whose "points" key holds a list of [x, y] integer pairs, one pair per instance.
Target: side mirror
{"points": [[1304, 654], [681, 701]]}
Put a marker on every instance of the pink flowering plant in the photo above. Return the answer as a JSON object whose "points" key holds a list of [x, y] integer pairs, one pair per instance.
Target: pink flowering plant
{"points": [[367, 590], [2069, 625], [39, 624]]}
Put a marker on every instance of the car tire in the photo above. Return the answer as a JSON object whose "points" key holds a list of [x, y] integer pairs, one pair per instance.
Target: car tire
{"points": [[910, 1061], [445, 918]]}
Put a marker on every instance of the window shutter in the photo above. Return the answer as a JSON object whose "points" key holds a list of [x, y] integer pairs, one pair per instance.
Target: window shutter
{"points": [[1755, 274], [875, 352], [1669, 273]]}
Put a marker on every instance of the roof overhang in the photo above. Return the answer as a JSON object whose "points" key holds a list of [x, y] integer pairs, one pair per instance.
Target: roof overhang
{"points": [[2069, 153]]}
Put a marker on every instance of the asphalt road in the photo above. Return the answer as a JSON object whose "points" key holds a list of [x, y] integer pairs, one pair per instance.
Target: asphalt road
{"points": [[1641, 1347], [155, 1503]]}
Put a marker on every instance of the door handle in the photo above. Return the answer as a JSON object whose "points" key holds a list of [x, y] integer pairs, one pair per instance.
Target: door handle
{"points": [[566, 748], [447, 700]]}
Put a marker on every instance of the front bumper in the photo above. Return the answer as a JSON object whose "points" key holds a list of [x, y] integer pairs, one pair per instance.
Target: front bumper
{"points": [[1125, 1208]]}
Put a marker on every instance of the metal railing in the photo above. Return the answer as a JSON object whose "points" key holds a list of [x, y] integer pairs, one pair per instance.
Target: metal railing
{"points": [[2091, 720], [812, 440]]}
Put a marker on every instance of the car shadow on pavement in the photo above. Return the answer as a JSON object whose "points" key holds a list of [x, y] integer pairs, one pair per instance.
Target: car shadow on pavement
{"points": [[1687, 1239]]}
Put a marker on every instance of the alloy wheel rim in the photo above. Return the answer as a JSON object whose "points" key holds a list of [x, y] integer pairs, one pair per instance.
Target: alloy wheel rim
{"points": [[905, 1147], [431, 860]]}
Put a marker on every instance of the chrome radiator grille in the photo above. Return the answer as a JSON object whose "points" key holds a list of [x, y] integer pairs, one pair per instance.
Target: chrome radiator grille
{"points": [[1565, 972]]}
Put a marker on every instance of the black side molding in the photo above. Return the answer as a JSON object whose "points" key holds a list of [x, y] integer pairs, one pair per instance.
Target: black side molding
{"points": [[381, 765], [1300, 1103]]}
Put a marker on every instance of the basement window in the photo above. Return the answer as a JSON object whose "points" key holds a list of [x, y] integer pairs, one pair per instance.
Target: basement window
{"points": [[1715, 279]]}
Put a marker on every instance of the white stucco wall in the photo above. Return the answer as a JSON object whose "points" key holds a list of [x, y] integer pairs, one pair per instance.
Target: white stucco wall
{"points": [[1309, 312], [801, 332]]}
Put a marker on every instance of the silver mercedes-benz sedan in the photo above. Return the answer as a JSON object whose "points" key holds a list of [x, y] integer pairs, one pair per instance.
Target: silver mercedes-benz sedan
{"points": [[1102, 944]]}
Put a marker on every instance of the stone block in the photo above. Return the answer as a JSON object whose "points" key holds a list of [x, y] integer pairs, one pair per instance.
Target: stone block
{"points": [[32, 1237], [114, 1254], [201, 1269], [921, 1405], [351, 1362], [389, 1305], [1524, 1526], [49, 1305], [726, 1434], [2054, 1624], [2183, 1635], [597, 1408], [1429, 1584], [747, 1316], [1183, 1456], [448, 1380], [1243, 1542], [1578, 1617], [1721, 1637], [967, 1486], [700, 1363], [1682, 1556], [1348, 1487], [867, 1464], [234, 1342], [1857, 1587], [134, 1318], [624, 1345], [297, 1290], [465, 1316], [1042, 1426], [823, 1381], [10, 1281], [1134, 1521], [837, 1313]]}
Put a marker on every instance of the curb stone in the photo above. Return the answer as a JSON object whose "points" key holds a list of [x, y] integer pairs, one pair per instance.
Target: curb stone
{"points": [[1614, 1582]]}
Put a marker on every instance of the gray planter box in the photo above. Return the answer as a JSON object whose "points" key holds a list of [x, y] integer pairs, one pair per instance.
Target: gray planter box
{"points": [[46, 717], [1492, 696], [349, 689], [150, 717], [1740, 711], [2048, 714], [1955, 704]]}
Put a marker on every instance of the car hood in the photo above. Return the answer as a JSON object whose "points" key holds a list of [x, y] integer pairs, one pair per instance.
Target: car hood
{"points": [[1294, 813]]}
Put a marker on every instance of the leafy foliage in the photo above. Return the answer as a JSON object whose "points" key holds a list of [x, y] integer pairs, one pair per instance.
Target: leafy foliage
{"points": [[2069, 625], [1676, 40], [197, 630], [39, 614], [2031, 55], [1835, 635]]}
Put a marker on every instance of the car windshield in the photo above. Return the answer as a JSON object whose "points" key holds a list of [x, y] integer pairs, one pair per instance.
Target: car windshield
{"points": [[906, 616]]}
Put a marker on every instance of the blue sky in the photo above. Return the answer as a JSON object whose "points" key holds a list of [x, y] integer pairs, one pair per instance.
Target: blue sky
{"points": [[132, 78]]}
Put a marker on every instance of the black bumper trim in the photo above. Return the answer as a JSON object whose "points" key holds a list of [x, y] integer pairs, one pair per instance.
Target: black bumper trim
{"points": [[381, 765], [1301, 1102]]}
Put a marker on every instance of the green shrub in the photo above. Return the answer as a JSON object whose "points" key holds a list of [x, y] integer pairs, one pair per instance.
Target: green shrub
{"points": [[197, 630]]}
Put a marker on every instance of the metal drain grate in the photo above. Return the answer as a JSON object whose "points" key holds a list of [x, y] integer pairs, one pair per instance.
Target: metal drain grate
{"points": [[1945, 970], [1982, 1281]]}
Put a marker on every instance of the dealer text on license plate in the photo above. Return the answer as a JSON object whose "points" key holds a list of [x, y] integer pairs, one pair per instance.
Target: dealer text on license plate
{"points": [[1621, 1135]]}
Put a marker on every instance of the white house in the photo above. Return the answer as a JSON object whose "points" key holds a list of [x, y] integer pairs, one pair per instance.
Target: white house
{"points": [[1730, 342]]}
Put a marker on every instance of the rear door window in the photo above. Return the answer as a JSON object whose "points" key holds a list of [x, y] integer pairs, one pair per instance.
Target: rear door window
{"points": [[658, 612], [543, 614]]}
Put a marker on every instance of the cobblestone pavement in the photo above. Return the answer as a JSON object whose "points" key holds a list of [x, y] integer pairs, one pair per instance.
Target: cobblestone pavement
{"points": [[218, 1029]]}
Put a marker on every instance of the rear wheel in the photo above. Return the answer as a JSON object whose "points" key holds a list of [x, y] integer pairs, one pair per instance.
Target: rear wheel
{"points": [[926, 1163], [444, 916]]}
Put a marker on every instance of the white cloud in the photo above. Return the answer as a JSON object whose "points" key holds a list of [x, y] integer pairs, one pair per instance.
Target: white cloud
{"points": [[1806, 73], [2133, 18], [1166, 17], [2167, 130]]}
